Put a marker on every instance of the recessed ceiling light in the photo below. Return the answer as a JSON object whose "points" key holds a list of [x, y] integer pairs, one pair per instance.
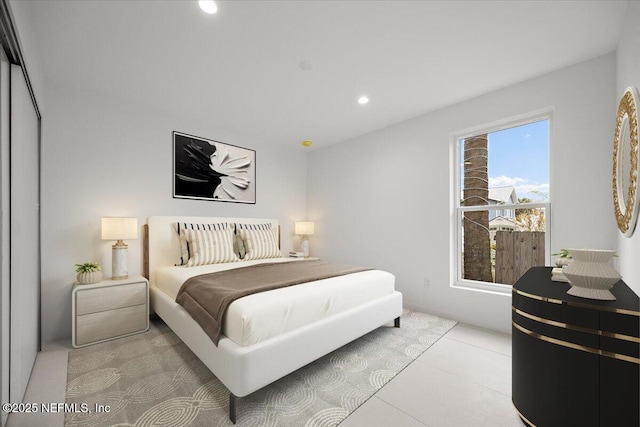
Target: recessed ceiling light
{"points": [[363, 100], [208, 6], [307, 143]]}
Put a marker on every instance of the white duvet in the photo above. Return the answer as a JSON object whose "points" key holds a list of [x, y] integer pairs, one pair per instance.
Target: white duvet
{"points": [[258, 317]]}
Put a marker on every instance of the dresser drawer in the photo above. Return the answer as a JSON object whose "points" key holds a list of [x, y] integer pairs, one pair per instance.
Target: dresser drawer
{"points": [[109, 298], [108, 324]]}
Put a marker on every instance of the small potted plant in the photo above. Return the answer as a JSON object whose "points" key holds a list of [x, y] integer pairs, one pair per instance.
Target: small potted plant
{"points": [[563, 258], [89, 272]]}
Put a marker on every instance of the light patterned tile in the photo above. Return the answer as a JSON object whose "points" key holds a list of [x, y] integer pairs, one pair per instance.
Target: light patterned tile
{"points": [[480, 337], [484, 367], [378, 413], [440, 399]]}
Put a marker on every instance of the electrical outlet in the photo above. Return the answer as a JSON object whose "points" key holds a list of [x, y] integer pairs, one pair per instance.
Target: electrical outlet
{"points": [[426, 282]]}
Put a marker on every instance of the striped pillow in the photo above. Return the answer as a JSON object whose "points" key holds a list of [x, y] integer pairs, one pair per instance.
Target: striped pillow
{"points": [[240, 248], [210, 246], [185, 247], [260, 241]]}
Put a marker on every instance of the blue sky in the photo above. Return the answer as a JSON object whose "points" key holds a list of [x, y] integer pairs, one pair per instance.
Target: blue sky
{"points": [[519, 156]]}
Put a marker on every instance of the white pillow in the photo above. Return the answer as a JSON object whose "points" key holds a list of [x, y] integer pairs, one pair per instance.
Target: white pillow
{"points": [[260, 241], [186, 248], [210, 246]]}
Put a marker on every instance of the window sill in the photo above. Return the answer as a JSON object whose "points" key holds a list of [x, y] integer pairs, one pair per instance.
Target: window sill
{"points": [[490, 288]]}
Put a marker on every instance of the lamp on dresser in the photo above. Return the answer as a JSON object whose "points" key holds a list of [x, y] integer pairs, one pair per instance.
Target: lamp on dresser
{"points": [[304, 229], [119, 229]]}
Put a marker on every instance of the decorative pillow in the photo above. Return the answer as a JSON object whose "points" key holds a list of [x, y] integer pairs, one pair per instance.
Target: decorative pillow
{"points": [[185, 248], [209, 246], [240, 248], [260, 241], [239, 243]]}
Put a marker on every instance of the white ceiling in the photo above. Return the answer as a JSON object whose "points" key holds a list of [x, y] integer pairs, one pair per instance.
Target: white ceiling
{"points": [[239, 69]]}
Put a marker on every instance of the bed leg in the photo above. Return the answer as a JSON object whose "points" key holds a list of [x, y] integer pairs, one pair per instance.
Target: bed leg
{"points": [[396, 322], [232, 408]]}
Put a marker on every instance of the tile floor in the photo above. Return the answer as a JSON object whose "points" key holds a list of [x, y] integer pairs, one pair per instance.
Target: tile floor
{"points": [[463, 380]]}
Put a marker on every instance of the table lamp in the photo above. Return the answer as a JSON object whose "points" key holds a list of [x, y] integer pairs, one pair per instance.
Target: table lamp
{"points": [[304, 229], [119, 229]]}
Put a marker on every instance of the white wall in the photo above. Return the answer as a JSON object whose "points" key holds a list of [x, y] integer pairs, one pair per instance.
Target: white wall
{"points": [[628, 74], [384, 199], [104, 158]]}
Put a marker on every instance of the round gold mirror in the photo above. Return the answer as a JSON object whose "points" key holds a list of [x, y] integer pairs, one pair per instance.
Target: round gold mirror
{"points": [[625, 163]]}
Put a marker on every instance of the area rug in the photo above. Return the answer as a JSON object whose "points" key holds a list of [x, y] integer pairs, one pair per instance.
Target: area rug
{"points": [[153, 379]]}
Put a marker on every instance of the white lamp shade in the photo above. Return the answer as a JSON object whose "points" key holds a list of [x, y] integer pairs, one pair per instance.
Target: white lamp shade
{"points": [[119, 228], [304, 228]]}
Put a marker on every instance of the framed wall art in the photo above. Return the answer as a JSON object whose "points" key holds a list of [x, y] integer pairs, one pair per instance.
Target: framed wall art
{"points": [[205, 169]]}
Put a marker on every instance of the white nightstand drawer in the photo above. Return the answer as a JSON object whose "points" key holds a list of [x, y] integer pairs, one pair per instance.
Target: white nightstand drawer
{"points": [[107, 324], [109, 298]]}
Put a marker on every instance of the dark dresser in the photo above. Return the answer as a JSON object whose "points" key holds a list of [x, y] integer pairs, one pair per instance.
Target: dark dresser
{"points": [[576, 361]]}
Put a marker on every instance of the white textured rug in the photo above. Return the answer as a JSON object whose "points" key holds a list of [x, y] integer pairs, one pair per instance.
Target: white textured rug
{"points": [[153, 379]]}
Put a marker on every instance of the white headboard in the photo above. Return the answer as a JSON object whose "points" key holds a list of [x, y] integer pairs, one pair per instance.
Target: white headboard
{"points": [[162, 246]]}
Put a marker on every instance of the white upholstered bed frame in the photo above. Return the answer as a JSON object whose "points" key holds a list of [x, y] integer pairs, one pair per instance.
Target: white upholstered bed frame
{"points": [[244, 370]]}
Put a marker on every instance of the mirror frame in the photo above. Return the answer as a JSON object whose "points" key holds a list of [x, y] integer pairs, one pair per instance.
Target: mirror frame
{"points": [[625, 203]]}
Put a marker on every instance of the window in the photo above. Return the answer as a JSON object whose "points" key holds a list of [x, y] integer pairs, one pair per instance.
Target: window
{"points": [[502, 203]]}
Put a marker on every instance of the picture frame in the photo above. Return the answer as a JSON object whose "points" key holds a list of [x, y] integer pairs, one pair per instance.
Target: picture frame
{"points": [[626, 156], [206, 169]]}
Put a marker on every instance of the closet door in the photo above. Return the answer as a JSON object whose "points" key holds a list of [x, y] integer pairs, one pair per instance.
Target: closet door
{"points": [[4, 230], [25, 235]]}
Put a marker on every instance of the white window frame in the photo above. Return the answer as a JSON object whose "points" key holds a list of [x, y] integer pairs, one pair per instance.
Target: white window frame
{"points": [[457, 280]]}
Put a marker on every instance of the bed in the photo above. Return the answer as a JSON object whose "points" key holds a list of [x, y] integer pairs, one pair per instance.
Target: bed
{"points": [[284, 329]]}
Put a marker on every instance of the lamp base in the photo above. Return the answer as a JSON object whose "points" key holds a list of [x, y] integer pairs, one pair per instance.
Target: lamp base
{"points": [[304, 246], [119, 268]]}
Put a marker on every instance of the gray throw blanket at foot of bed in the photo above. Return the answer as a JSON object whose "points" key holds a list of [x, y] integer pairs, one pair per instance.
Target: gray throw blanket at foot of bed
{"points": [[206, 297]]}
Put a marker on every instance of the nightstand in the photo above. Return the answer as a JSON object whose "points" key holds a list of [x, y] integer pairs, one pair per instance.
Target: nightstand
{"points": [[109, 309]]}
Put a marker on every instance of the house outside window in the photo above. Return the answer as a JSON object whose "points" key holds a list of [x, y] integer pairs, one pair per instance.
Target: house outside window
{"points": [[502, 201]]}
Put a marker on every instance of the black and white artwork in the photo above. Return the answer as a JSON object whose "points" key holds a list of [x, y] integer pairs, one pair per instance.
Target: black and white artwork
{"points": [[211, 170]]}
